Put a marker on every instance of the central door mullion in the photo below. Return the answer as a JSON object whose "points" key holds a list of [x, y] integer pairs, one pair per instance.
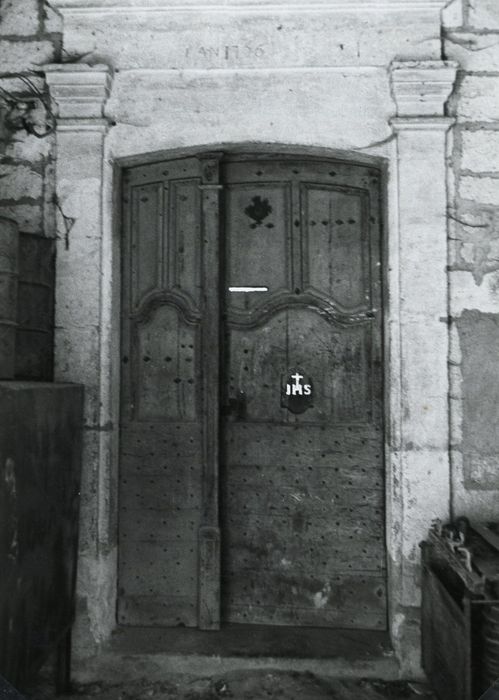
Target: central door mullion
{"points": [[209, 531]]}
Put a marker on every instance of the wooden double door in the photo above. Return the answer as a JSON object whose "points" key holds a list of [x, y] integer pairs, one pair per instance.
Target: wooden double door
{"points": [[251, 473]]}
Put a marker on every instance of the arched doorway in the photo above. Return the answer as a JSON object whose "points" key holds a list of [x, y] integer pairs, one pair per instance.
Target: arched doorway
{"points": [[252, 470]]}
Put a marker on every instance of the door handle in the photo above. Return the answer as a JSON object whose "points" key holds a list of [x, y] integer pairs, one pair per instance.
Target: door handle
{"points": [[236, 406]]}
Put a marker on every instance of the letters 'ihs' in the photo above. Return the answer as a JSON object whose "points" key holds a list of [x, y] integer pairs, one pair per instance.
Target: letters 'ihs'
{"points": [[297, 388]]}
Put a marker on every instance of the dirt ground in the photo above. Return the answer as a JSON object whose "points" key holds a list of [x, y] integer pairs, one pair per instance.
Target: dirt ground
{"points": [[247, 685]]}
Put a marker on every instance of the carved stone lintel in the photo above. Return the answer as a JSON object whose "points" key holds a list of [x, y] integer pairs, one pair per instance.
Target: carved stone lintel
{"points": [[141, 6], [79, 90], [421, 88]]}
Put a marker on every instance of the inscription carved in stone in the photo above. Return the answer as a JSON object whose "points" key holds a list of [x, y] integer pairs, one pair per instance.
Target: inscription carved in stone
{"points": [[227, 52]]}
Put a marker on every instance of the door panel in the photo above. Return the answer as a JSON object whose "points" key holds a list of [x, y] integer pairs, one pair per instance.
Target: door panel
{"points": [[166, 365], [302, 493], [302, 337], [160, 503], [244, 252], [336, 243]]}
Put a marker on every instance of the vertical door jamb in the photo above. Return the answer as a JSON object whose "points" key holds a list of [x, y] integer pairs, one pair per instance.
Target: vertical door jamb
{"points": [[209, 531]]}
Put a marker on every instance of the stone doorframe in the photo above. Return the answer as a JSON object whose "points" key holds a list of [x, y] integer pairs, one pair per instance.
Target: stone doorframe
{"points": [[416, 328]]}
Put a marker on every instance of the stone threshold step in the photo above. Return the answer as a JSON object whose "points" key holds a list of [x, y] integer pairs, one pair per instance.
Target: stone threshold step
{"points": [[135, 652]]}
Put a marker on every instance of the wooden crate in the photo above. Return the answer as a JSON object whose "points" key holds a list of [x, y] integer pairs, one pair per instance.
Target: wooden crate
{"points": [[452, 628]]}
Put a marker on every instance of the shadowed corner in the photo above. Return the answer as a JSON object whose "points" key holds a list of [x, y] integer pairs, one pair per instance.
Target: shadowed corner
{"points": [[492, 693], [8, 692]]}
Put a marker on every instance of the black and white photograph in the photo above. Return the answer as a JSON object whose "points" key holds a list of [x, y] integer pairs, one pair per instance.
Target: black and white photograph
{"points": [[249, 349]]}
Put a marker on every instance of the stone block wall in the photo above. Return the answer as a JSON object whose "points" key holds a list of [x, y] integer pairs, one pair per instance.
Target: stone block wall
{"points": [[30, 35], [473, 41]]}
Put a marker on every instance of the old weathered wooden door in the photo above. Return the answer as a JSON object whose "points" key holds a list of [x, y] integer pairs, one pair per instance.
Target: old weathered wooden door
{"points": [[302, 478], [268, 269]]}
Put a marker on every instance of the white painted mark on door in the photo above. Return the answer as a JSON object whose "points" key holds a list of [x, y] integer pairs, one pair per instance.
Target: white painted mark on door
{"points": [[298, 388]]}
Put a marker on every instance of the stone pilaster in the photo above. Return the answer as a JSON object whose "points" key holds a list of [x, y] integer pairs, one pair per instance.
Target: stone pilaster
{"points": [[420, 333], [83, 332]]}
